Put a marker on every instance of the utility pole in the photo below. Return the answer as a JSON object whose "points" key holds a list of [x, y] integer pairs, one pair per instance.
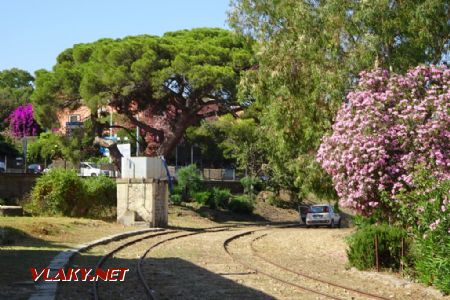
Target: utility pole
{"points": [[110, 131], [176, 158], [137, 137]]}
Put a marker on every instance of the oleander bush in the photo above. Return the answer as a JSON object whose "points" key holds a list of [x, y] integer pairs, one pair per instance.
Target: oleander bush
{"points": [[386, 127], [425, 211]]}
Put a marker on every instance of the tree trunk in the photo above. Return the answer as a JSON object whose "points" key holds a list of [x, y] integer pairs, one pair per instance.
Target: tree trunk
{"points": [[114, 152], [171, 141]]}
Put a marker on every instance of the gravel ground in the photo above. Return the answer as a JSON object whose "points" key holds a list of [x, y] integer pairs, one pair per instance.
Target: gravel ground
{"points": [[322, 253], [197, 267]]}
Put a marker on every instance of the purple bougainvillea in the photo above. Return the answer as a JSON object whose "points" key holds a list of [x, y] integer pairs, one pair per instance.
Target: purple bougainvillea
{"points": [[22, 123], [389, 125]]}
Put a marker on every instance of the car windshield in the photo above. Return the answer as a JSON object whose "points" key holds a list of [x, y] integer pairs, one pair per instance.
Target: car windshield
{"points": [[319, 209], [91, 165]]}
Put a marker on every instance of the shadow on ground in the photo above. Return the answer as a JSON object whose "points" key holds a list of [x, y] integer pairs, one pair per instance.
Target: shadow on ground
{"points": [[19, 252], [170, 278], [223, 216]]}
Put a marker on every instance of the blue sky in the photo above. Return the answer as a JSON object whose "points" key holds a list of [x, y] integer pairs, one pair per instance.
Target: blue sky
{"points": [[34, 32]]}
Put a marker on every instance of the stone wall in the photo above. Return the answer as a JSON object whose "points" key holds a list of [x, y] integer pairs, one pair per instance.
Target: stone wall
{"points": [[15, 186], [142, 199]]}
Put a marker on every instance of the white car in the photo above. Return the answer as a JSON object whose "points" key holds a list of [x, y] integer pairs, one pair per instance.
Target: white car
{"points": [[2, 167], [89, 169], [322, 215]]}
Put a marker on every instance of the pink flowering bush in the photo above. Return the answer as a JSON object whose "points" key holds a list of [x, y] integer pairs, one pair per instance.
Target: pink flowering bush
{"points": [[425, 212], [22, 122], [390, 125]]}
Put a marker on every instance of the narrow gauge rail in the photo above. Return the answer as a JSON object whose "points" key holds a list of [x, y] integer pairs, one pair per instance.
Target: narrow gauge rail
{"points": [[227, 242], [302, 274], [103, 259], [150, 292]]}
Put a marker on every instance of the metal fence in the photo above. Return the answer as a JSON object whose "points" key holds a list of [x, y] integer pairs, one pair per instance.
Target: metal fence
{"points": [[212, 174]]}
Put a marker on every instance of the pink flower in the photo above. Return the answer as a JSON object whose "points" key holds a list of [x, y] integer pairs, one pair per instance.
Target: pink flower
{"points": [[386, 129]]}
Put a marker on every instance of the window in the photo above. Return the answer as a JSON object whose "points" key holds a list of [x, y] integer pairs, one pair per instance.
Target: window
{"points": [[74, 118]]}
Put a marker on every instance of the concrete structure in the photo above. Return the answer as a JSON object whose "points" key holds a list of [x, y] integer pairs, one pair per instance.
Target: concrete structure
{"points": [[142, 192], [6, 210], [143, 167]]}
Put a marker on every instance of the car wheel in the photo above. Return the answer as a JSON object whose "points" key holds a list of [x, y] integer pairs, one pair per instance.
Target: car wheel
{"points": [[93, 174]]}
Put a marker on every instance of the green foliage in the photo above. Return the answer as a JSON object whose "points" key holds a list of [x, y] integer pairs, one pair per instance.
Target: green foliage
{"points": [[425, 208], [220, 197], [361, 251], [189, 181], [362, 221], [309, 55], [100, 191], [175, 72], [50, 145], [202, 198], [61, 192], [16, 87], [58, 192], [176, 198], [241, 204], [231, 139], [208, 138], [425, 211], [250, 184], [336, 207], [431, 259]]}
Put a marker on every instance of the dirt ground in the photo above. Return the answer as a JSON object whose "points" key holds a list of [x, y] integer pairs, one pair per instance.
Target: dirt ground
{"points": [[197, 266]]}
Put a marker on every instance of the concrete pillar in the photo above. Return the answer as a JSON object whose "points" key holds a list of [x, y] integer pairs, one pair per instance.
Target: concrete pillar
{"points": [[144, 198]]}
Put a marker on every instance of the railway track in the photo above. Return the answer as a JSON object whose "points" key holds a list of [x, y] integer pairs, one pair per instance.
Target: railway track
{"points": [[149, 291], [327, 285], [103, 259]]}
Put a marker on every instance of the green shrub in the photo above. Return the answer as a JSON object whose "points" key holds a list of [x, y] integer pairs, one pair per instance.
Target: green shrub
{"points": [[100, 191], [202, 197], [220, 197], [176, 195], [176, 199], [189, 181], [58, 192], [431, 260], [241, 204], [250, 184], [361, 253], [425, 211], [63, 192]]}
